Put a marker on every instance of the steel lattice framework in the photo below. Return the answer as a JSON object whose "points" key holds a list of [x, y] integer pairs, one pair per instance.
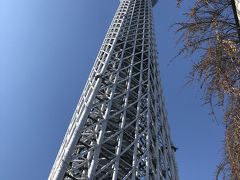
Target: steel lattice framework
{"points": [[119, 129]]}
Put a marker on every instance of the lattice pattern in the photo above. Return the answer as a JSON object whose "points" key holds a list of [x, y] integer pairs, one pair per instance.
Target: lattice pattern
{"points": [[119, 129]]}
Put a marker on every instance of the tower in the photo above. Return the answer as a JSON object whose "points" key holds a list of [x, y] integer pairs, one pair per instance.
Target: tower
{"points": [[119, 129]]}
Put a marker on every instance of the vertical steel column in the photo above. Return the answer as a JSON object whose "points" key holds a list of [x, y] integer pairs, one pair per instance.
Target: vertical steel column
{"points": [[236, 12], [237, 4]]}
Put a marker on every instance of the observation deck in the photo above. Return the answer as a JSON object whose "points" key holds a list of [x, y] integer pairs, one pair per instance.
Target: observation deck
{"points": [[154, 2]]}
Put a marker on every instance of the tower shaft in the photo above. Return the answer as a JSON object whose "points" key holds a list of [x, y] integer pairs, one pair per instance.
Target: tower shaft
{"points": [[119, 129]]}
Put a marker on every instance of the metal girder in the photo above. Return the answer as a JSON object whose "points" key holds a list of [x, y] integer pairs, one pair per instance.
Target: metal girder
{"points": [[119, 129], [237, 2]]}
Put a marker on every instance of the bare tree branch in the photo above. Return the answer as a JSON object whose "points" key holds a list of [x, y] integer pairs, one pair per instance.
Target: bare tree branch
{"points": [[212, 32]]}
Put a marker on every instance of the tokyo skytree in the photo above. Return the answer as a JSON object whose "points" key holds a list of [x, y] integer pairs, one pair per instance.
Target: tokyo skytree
{"points": [[119, 129]]}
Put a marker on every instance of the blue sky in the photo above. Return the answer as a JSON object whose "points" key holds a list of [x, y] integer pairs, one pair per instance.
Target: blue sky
{"points": [[47, 49]]}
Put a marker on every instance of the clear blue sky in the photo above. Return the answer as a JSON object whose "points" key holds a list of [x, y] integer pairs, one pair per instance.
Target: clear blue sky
{"points": [[47, 48]]}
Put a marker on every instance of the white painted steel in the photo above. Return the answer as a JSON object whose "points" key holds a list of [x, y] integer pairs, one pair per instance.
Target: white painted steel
{"points": [[119, 129], [153, 2], [237, 2]]}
